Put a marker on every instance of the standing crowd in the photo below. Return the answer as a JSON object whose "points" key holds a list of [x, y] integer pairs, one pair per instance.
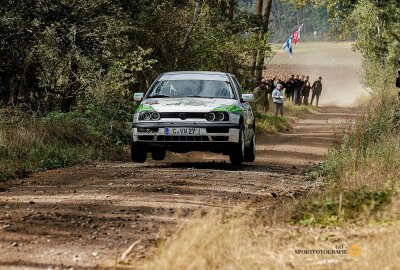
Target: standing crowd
{"points": [[296, 88]]}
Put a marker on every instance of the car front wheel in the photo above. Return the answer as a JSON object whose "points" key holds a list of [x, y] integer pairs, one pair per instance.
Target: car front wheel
{"points": [[138, 154], [250, 152], [237, 155]]}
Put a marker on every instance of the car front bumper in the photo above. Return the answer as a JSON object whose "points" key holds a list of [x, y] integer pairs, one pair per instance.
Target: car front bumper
{"points": [[215, 137]]}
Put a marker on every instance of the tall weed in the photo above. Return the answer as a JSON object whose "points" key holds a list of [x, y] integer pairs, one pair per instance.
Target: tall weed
{"points": [[368, 155]]}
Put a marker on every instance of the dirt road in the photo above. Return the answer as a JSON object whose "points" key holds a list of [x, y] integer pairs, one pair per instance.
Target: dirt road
{"points": [[84, 217]]}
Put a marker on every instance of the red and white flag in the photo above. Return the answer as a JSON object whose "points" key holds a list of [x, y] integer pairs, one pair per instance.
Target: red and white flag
{"points": [[297, 35]]}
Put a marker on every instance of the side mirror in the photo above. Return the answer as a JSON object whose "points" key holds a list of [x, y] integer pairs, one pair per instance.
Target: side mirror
{"points": [[248, 97], [138, 96]]}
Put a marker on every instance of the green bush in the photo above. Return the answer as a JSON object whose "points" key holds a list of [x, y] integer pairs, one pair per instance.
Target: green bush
{"points": [[69, 128], [29, 143]]}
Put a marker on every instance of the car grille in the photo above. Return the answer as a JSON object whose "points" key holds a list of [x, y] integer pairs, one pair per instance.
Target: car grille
{"points": [[146, 137], [218, 130], [178, 115], [220, 138], [182, 138]]}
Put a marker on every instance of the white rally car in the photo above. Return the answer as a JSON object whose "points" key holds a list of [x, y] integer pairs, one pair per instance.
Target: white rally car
{"points": [[194, 111]]}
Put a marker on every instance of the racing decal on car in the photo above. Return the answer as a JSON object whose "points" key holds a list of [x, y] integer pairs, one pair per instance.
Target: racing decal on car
{"points": [[151, 102], [188, 102], [144, 108], [234, 109]]}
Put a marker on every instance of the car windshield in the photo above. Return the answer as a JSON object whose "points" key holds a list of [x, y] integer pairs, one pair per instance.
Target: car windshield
{"points": [[192, 88]]}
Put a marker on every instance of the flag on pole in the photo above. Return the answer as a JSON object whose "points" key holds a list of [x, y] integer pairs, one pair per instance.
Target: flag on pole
{"points": [[297, 34], [287, 46]]}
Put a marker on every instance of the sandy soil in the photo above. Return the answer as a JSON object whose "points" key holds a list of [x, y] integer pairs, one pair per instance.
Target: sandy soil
{"points": [[84, 217]]}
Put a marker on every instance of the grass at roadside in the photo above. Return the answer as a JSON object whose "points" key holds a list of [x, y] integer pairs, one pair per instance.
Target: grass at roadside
{"points": [[29, 143], [239, 240], [336, 209], [360, 174], [269, 123], [296, 111]]}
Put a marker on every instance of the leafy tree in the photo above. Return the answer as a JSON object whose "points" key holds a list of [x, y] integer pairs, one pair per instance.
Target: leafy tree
{"points": [[60, 49], [60, 54]]}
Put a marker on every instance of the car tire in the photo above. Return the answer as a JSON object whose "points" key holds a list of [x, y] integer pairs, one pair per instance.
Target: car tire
{"points": [[237, 155], [250, 152], [138, 154], [159, 154]]}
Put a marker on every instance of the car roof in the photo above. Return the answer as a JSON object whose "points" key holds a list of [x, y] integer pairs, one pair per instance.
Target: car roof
{"points": [[195, 75]]}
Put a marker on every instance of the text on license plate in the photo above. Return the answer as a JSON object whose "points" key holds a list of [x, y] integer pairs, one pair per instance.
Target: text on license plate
{"points": [[182, 131]]}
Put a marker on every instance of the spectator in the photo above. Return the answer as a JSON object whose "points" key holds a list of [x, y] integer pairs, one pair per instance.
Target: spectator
{"points": [[316, 90], [283, 82], [297, 86], [301, 84], [290, 88], [275, 81], [271, 86], [306, 91], [278, 98]]}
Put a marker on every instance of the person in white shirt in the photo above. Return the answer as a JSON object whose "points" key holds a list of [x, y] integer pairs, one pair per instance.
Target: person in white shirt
{"points": [[277, 98]]}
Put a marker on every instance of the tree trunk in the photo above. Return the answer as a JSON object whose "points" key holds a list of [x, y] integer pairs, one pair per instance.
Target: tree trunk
{"points": [[261, 55], [260, 4], [189, 31], [257, 37], [229, 9], [185, 41]]}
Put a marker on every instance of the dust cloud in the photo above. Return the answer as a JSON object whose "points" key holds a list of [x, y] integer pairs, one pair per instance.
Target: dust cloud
{"points": [[337, 63]]}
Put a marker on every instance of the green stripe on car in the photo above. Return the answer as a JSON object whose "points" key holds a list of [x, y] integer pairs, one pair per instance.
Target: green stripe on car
{"points": [[143, 108], [230, 109]]}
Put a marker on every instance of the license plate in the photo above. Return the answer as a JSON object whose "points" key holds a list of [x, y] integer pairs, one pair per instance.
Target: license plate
{"points": [[182, 131]]}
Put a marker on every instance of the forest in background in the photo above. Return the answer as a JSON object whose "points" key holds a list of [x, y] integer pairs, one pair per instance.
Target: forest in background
{"points": [[65, 55]]}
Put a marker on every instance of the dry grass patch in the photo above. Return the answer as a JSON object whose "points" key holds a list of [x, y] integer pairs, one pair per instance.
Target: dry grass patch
{"points": [[238, 240]]}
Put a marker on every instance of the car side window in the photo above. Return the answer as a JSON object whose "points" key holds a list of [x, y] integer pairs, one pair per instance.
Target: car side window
{"points": [[237, 85]]}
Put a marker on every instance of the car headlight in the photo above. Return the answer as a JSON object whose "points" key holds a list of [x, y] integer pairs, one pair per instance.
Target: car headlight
{"points": [[217, 116], [155, 116], [220, 117], [146, 116], [210, 116], [149, 116]]}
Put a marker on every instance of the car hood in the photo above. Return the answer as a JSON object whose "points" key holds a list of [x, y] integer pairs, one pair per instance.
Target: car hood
{"points": [[185, 104]]}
